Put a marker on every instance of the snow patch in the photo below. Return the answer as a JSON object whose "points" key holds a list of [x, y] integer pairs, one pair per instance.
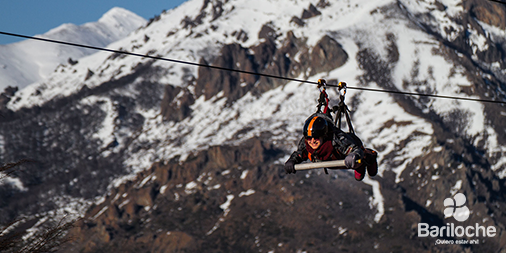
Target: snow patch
{"points": [[12, 181], [190, 187], [377, 200], [456, 188], [226, 206], [226, 209], [244, 174], [247, 193]]}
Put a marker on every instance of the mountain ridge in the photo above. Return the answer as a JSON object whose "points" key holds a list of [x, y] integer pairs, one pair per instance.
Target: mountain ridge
{"points": [[29, 61]]}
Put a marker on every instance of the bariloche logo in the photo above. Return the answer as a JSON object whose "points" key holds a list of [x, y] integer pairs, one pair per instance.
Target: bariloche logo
{"points": [[456, 207]]}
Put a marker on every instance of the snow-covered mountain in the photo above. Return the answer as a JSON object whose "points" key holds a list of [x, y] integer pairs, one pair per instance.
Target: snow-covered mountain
{"points": [[29, 61], [171, 156]]}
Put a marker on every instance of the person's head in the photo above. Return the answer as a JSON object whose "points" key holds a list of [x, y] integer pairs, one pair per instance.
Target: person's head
{"points": [[315, 129]]}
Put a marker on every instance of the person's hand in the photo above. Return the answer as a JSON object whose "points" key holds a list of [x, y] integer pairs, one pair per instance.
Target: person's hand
{"points": [[351, 161], [290, 167]]}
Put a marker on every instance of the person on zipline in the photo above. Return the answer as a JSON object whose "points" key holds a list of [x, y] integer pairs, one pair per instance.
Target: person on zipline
{"points": [[323, 141]]}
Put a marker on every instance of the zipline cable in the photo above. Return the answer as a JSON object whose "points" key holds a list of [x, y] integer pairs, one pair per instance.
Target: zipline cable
{"points": [[428, 95], [243, 71], [152, 57]]}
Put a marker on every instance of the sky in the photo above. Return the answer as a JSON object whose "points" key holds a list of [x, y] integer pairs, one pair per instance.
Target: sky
{"points": [[32, 17]]}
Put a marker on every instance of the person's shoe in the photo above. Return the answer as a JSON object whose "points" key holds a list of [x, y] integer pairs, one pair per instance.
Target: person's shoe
{"points": [[372, 169], [360, 173], [372, 163]]}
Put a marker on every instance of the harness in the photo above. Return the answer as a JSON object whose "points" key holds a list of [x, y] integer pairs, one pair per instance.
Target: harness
{"points": [[341, 111]]}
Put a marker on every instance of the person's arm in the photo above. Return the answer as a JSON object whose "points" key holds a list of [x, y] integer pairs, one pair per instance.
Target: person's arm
{"points": [[297, 157], [349, 147], [301, 154]]}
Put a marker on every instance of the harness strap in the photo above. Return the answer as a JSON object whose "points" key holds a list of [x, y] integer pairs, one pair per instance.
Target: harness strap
{"points": [[324, 98]]}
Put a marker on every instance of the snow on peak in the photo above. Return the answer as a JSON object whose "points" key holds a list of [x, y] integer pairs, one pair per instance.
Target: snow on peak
{"points": [[121, 21], [29, 61], [117, 13]]}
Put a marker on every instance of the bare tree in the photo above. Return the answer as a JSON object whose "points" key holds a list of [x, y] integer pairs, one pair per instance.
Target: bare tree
{"points": [[48, 240], [9, 168], [9, 240]]}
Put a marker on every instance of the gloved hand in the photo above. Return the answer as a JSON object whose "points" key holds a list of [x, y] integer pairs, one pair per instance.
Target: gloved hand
{"points": [[290, 167], [351, 161]]}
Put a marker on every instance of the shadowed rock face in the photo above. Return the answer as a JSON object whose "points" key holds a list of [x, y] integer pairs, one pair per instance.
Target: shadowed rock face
{"points": [[237, 199], [182, 208], [267, 59], [229, 199]]}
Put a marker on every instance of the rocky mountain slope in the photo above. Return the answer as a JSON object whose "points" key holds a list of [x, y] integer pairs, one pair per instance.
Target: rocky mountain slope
{"points": [[29, 61], [165, 157]]}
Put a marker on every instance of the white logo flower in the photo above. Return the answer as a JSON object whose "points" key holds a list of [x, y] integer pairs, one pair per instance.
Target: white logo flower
{"points": [[456, 207]]}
